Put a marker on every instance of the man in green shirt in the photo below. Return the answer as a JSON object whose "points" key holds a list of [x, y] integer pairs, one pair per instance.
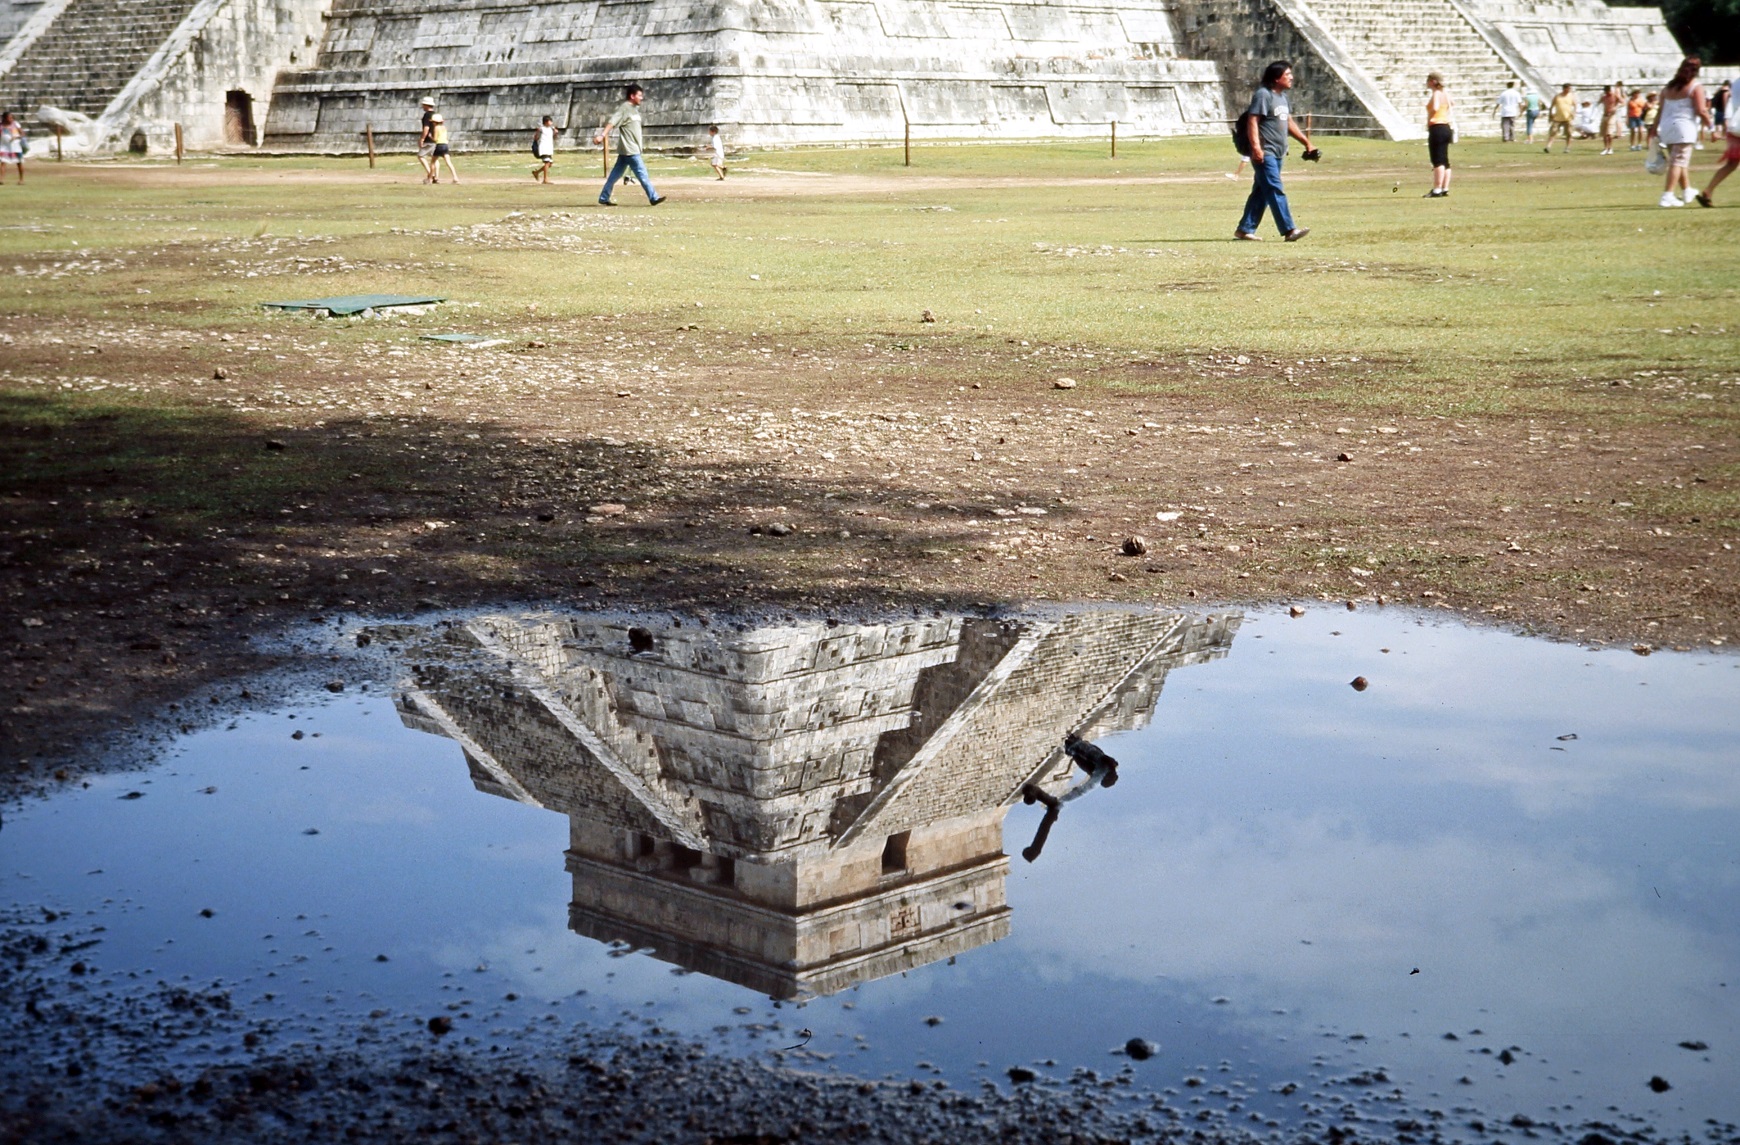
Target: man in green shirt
{"points": [[626, 122]]}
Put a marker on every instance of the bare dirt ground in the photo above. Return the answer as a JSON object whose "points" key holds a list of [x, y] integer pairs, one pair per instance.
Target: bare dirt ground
{"points": [[173, 514]]}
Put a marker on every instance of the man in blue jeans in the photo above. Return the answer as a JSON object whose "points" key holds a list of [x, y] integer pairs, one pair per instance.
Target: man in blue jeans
{"points": [[626, 121], [1269, 122]]}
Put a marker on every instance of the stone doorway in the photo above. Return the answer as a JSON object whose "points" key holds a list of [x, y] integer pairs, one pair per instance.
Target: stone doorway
{"points": [[239, 119]]}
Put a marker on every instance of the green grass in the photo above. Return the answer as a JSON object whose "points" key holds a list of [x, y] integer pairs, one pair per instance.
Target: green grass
{"points": [[1536, 282]]}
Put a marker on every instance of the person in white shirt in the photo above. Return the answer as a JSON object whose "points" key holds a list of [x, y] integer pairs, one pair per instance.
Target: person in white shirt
{"points": [[1683, 111], [716, 151], [1509, 106], [544, 149]]}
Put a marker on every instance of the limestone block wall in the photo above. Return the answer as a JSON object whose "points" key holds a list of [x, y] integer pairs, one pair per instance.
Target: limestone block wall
{"points": [[767, 71], [215, 74], [1244, 36], [1586, 42]]}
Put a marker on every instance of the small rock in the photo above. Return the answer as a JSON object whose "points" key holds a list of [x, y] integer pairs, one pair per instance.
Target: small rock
{"points": [[927, 317], [1642, 649], [1021, 1075], [296, 734], [1295, 612], [933, 1020], [779, 529], [273, 443], [134, 795], [440, 1024], [1659, 1084], [335, 685], [607, 509], [1063, 384], [1134, 546], [220, 374], [1344, 457], [380, 958], [1359, 683], [1117, 578], [207, 913], [1141, 1049], [1695, 1047], [311, 830], [1351, 606], [1507, 1057], [363, 640]]}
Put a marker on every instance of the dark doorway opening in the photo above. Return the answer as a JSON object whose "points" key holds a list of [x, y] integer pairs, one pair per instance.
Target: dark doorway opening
{"points": [[239, 118]]}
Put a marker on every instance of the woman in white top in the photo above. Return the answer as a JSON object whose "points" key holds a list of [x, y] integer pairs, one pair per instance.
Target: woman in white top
{"points": [[1683, 109]]}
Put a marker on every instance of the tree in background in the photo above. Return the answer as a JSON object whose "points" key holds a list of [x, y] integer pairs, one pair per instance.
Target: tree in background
{"points": [[1707, 28]]}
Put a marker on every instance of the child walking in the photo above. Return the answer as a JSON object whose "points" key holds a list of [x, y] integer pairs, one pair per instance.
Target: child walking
{"points": [[11, 145], [443, 152], [717, 144], [544, 148]]}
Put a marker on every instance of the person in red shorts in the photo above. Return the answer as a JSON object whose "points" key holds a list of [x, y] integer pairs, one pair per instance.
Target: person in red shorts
{"points": [[1730, 160]]}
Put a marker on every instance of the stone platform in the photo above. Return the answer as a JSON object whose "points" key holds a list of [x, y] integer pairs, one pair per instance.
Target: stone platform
{"points": [[315, 75]]}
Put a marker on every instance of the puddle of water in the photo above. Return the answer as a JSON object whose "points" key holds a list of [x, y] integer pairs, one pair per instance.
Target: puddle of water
{"points": [[1501, 878]]}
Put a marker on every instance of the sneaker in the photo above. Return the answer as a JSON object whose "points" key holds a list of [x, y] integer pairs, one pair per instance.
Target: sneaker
{"points": [[1703, 200], [1297, 233], [606, 203], [1669, 199], [656, 202], [1247, 236]]}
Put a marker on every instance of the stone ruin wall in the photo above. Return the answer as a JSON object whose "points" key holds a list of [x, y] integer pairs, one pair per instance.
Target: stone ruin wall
{"points": [[314, 75], [767, 71]]}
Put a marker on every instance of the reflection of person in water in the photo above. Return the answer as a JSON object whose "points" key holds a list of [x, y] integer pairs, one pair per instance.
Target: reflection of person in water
{"points": [[1101, 771]]}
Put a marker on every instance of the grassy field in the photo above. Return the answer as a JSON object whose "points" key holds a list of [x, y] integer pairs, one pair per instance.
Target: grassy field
{"points": [[1537, 267]]}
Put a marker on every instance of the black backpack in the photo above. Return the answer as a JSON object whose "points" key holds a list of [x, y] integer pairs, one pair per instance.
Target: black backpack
{"points": [[1241, 134]]}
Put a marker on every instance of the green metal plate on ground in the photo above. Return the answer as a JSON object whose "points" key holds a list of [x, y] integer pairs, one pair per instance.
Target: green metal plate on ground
{"points": [[347, 304]]}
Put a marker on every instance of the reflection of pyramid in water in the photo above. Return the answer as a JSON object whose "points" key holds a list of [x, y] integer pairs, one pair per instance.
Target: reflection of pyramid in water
{"points": [[795, 808]]}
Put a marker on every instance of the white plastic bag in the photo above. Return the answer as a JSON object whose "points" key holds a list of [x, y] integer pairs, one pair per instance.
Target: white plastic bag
{"points": [[1656, 163]]}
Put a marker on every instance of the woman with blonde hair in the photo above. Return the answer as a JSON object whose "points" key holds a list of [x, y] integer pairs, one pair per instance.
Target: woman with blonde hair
{"points": [[1683, 110], [1439, 135]]}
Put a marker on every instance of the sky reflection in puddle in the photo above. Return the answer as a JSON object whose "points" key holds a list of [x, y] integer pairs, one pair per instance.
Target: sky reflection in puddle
{"points": [[1546, 834]]}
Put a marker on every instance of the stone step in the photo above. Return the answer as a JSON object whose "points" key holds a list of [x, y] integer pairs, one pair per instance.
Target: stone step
{"points": [[90, 53]]}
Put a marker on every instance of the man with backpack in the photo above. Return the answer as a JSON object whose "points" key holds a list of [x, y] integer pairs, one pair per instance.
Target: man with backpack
{"points": [[1262, 132]]}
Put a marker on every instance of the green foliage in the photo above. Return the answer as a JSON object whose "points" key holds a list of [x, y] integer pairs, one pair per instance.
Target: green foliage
{"points": [[1707, 28]]}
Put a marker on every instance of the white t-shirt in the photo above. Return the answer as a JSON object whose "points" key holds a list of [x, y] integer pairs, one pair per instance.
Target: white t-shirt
{"points": [[1678, 122], [1509, 103], [719, 150], [546, 142]]}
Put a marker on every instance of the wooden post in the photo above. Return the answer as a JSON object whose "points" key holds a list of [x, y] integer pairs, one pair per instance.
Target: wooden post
{"points": [[178, 143], [1114, 139], [57, 149], [908, 141], [369, 131], [604, 155]]}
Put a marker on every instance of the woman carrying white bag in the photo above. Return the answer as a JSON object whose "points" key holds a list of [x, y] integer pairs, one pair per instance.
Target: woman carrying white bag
{"points": [[1683, 109]]}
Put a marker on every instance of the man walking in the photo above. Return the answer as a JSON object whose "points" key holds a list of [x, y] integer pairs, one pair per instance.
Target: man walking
{"points": [[626, 122], [1559, 116], [1268, 122], [1509, 104]]}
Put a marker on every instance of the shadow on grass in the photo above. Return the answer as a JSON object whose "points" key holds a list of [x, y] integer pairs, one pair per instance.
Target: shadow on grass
{"points": [[144, 546]]}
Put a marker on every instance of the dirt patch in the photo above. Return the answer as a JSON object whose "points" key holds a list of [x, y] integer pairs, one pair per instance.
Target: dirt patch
{"points": [[173, 495]]}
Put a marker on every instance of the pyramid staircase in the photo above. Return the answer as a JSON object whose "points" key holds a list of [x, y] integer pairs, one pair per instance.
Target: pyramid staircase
{"points": [[1399, 41], [90, 52]]}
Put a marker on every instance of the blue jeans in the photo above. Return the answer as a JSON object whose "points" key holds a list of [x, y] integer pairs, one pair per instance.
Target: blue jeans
{"points": [[628, 163], [1266, 194]]}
